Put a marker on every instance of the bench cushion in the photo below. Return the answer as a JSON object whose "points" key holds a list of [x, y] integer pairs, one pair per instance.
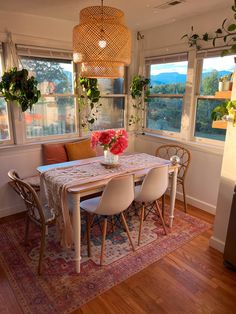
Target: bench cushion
{"points": [[80, 150], [54, 153]]}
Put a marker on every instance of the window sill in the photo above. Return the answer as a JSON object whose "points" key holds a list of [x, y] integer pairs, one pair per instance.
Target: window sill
{"points": [[193, 145]]}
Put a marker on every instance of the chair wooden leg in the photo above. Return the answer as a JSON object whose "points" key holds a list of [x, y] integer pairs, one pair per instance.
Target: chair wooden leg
{"points": [[161, 217], [27, 229], [185, 203], [42, 248], [104, 232], [141, 224], [127, 230], [112, 224], [163, 204], [88, 227]]}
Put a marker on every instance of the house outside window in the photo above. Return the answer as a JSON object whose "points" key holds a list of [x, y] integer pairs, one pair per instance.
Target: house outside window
{"points": [[55, 112]]}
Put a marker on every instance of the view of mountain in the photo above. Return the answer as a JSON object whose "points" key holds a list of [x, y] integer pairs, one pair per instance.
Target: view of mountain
{"points": [[175, 77]]}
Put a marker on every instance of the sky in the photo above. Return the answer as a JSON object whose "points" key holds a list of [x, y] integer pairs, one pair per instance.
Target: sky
{"points": [[180, 67], [220, 64]]}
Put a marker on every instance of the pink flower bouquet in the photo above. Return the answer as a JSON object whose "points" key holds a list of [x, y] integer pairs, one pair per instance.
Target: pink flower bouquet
{"points": [[114, 141]]}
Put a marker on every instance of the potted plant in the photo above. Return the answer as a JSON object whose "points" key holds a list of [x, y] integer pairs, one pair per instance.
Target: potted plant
{"points": [[224, 112], [225, 83], [18, 87]]}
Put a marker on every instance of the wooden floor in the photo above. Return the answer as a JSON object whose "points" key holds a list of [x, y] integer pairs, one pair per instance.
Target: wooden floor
{"points": [[192, 279]]}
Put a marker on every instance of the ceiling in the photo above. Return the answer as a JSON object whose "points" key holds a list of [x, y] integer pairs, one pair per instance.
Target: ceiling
{"points": [[138, 14]]}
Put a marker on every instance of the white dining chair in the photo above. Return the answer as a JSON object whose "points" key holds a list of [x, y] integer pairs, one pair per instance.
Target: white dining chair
{"points": [[117, 197], [153, 187]]}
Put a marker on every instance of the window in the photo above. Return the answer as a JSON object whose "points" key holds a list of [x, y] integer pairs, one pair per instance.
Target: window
{"points": [[213, 67], [55, 113], [4, 114], [111, 113], [168, 80]]}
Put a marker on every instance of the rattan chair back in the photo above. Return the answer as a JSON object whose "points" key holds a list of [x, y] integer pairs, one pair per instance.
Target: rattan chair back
{"points": [[166, 151]]}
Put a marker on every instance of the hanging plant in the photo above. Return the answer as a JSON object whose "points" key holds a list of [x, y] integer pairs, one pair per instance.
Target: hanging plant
{"points": [[226, 34], [139, 90], [89, 96], [19, 87]]}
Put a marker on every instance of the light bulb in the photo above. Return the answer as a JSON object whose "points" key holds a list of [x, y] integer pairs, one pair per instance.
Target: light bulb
{"points": [[102, 43]]}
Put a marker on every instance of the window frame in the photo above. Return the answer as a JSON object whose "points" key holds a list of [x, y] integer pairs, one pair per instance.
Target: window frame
{"points": [[10, 141], [53, 55], [200, 56], [190, 98]]}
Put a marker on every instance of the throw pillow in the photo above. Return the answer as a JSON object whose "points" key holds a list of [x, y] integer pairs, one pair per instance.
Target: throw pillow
{"points": [[80, 150]]}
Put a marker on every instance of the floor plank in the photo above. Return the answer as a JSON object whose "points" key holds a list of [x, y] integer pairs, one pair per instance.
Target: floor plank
{"points": [[192, 279]]}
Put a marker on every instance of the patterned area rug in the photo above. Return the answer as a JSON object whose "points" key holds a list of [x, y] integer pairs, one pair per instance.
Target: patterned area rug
{"points": [[60, 289]]}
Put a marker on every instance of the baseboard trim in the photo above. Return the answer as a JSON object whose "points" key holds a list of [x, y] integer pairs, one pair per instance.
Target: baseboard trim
{"points": [[217, 244], [209, 208]]}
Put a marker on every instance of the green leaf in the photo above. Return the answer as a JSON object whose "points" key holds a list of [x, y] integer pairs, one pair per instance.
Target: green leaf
{"points": [[231, 27], [205, 37]]}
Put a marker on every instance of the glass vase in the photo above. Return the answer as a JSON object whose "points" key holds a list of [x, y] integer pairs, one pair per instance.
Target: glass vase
{"points": [[110, 158]]}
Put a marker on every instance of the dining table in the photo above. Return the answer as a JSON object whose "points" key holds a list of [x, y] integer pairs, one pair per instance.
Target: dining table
{"points": [[79, 178]]}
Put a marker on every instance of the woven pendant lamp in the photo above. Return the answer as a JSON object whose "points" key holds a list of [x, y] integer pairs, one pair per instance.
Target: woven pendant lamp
{"points": [[101, 42]]}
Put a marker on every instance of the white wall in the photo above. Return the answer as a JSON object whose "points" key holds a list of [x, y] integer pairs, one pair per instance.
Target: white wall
{"points": [[227, 184], [35, 30], [203, 177], [202, 189], [167, 39]]}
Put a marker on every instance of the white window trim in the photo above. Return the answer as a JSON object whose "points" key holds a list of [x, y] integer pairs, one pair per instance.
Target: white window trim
{"points": [[186, 134], [10, 141], [200, 55]]}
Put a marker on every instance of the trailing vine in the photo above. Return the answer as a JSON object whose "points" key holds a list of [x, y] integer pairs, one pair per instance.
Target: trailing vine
{"points": [[139, 90], [89, 96], [19, 87], [225, 33]]}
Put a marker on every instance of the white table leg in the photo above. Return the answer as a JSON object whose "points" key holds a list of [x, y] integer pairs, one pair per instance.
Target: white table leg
{"points": [[173, 195], [76, 229]]}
